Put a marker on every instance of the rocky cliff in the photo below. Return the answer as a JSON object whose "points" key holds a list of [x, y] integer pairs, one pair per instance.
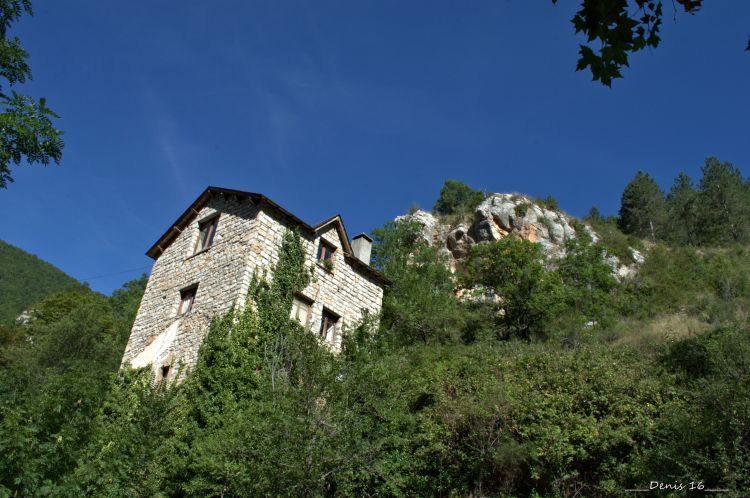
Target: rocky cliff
{"points": [[503, 215]]}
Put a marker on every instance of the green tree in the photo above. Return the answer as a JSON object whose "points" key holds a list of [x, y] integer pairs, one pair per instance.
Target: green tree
{"points": [[588, 280], [27, 133], [26, 280], [51, 384], [457, 198], [642, 207], [420, 304], [724, 203], [594, 214], [528, 294], [682, 212]]}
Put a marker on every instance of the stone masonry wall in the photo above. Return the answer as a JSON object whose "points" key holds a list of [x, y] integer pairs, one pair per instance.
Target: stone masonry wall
{"points": [[247, 241], [220, 273], [343, 291]]}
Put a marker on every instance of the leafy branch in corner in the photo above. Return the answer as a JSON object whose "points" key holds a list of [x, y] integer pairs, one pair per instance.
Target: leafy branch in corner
{"points": [[26, 130], [622, 27]]}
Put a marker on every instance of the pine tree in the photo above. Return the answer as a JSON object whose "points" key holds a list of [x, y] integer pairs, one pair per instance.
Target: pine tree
{"points": [[642, 207], [724, 203], [682, 215]]}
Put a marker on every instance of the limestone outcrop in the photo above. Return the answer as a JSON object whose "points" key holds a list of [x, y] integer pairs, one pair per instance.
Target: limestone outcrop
{"points": [[514, 215]]}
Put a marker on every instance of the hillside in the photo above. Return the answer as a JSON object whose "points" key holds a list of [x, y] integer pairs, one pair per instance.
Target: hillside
{"points": [[25, 280], [550, 375]]}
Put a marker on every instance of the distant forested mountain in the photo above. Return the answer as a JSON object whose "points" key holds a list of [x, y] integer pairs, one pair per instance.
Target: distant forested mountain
{"points": [[25, 280]]}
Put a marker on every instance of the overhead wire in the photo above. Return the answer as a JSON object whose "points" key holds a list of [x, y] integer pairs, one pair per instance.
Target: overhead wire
{"points": [[114, 274]]}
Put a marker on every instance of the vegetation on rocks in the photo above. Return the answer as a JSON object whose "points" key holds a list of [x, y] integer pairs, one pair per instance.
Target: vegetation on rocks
{"points": [[457, 198]]}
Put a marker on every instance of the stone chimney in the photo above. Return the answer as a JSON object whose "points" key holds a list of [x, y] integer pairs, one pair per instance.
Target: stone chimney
{"points": [[362, 248]]}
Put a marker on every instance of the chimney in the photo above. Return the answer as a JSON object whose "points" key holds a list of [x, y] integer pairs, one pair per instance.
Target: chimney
{"points": [[362, 247]]}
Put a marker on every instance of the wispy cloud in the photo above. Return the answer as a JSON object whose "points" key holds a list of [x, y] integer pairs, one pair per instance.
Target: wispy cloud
{"points": [[172, 146], [168, 146]]}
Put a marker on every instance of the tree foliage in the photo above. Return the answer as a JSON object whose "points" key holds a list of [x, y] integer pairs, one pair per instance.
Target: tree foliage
{"points": [[53, 378], [621, 28], [26, 123], [514, 271], [619, 32], [457, 198], [589, 285], [26, 280], [726, 196], [683, 217], [420, 303], [642, 207], [715, 212]]}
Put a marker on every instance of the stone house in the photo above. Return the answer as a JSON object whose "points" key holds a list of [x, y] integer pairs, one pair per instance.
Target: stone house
{"points": [[204, 264]]}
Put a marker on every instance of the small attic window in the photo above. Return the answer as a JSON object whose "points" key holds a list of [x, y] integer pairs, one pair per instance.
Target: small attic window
{"points": [[206, 232], [325, 252], [187, 298]]}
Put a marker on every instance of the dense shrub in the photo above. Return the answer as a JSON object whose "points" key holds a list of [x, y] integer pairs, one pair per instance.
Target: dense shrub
{"points": [[53, 379], [457, 198], [527, 294]]}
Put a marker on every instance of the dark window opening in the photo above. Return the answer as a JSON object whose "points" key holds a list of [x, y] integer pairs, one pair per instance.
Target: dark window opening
{"points": [[165, 372], [325, 251], [187, 298], [206, 232], [328, 326]]}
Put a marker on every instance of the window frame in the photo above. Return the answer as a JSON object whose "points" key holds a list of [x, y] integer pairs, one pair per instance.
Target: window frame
{"points": [[326, 317], [188, 293], [206, 239], [326, 251]]}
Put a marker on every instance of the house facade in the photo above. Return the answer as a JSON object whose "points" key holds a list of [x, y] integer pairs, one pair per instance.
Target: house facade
{"points": [[204, 264]]}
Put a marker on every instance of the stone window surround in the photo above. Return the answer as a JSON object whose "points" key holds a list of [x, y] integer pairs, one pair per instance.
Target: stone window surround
{"points": [[325, 313], [325, 254], [190, 291], [326, 250], [329, 316], [211, 219]]}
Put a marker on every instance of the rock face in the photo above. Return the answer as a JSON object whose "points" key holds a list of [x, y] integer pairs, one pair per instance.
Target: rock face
{"points": [[519, 216], [499, 216], [503, 215]]}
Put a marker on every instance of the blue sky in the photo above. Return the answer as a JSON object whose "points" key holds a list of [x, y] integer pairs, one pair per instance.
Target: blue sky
{"points": [[359, 108]]}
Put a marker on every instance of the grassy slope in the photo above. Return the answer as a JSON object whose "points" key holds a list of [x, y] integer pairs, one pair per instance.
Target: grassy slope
{"points": [[25, 280]]}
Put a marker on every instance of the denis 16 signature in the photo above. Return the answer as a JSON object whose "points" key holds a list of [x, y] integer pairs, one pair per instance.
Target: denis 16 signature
{"points": [[678, 486]]}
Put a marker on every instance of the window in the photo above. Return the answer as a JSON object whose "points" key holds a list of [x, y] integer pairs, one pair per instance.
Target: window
{"points": [[187, 297], [328, 326], [165, 372], [206, 232], [302, 310], [325, 254]]}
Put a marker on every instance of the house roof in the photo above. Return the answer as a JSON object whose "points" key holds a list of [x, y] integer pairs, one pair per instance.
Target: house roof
{"points": [[259, 199]]}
